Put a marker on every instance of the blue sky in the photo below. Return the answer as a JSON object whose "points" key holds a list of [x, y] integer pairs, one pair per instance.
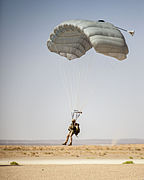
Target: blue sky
{"points": [[34, 91]]}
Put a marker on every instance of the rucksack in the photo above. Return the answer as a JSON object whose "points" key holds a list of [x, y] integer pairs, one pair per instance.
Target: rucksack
{"points": [[77, 129]]}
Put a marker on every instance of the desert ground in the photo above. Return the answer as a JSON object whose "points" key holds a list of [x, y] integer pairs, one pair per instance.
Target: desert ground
{"points": [[130, 151], [90, 153]]}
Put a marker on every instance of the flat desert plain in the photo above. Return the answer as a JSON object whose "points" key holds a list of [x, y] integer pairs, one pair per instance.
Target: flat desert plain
{"points": [[31, 158]]}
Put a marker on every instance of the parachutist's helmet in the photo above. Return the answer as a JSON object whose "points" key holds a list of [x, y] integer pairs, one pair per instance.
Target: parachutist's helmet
{"points": [[73, 120]]}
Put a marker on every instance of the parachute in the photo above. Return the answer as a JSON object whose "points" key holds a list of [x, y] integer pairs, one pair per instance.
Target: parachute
{"points": [[73, 38]]}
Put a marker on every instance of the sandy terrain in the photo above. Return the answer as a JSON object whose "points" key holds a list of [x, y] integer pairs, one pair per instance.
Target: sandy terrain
{"points": [[132, 151], [70, 172], [76, 162]]}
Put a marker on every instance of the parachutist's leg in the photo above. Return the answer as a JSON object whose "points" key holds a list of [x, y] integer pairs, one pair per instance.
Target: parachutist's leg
{"points": [[67, 138], [71, 134]]}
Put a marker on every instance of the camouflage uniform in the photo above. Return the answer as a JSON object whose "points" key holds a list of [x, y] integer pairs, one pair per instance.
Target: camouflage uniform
{"points": [[72, 130]]}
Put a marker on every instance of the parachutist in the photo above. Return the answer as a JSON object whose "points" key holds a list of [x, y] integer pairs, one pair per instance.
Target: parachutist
{"points": [[73, 129]]}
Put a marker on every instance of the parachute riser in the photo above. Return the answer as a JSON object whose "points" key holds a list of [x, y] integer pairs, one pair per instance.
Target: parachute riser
{"points": [[76, 114]]}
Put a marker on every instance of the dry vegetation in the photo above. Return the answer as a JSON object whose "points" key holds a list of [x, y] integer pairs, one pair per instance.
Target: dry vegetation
{"points": [[130, 151]]}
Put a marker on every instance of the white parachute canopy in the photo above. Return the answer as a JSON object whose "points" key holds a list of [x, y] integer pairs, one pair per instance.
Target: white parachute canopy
{"points": [[73, 38]]}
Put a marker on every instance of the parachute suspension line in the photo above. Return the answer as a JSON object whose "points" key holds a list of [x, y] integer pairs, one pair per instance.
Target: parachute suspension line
{"points": [[131, 32], [75, 74], [83, 77], [69, 77], [72, 82], [79, 89], [85, 81], [67, 82], [79, 77], [78, 82], [64, 84], [67, 87], [63, 80]]}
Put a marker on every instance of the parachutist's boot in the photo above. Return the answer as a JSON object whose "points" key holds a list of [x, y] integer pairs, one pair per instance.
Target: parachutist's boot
{"points": [[66, 140], [64, 143]]}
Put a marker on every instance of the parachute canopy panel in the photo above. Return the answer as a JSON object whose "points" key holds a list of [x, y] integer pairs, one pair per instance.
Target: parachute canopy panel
{"points": [[73, 38]]}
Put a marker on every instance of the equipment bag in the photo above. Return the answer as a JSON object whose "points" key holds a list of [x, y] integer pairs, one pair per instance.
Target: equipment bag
{"points": [[77, 129]]}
